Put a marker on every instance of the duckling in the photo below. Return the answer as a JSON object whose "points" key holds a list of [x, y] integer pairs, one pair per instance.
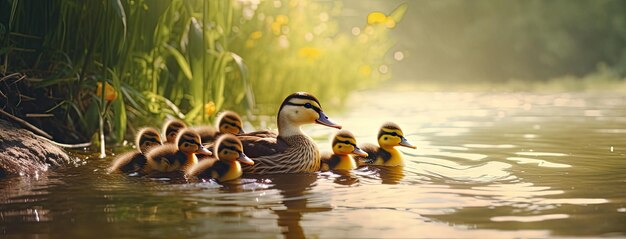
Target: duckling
{"points": [[291, 150], [171, 129], [134, 161], [181, 156], [389, 136], [225, 165], [343, 144], [227, 122]]}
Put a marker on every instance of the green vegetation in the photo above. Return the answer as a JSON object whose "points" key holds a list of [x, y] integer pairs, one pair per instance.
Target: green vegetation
{"points": [[527, 41], [186, 59]]}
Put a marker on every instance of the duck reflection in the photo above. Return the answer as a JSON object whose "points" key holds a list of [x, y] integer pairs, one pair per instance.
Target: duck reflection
{"points": [[391, 175], [346, 178], [293, 188]]}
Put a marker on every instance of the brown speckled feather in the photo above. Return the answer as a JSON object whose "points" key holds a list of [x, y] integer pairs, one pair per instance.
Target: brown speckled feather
{"points": [[201, 168], [258, 146], [299, 154]]}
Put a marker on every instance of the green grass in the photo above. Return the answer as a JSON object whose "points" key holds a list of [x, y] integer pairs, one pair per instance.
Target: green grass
{"points": [[186, 58]]}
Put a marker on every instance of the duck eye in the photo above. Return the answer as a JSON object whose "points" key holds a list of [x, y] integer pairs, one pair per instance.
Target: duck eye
{"points": [[394, 133], [308, 105]]}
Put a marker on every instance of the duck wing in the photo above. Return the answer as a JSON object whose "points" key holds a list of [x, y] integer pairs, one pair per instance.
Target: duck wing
{"points": [[201, 169], [372, 152], [262, 134], [255, 146]]}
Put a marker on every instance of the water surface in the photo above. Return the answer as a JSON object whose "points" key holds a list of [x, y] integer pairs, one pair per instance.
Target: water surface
{"points": [[499, 165]]}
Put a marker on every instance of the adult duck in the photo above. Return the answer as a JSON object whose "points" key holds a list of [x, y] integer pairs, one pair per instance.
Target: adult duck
{"points": [[290, 150]]}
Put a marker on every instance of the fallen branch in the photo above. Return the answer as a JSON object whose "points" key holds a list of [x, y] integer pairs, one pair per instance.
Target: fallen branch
{"points": [[27, 125]]}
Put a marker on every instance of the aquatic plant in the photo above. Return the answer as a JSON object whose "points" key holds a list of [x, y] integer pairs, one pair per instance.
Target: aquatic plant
{"points": [[183, 59]]}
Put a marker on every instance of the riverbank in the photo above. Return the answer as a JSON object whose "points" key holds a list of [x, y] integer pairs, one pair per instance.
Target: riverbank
{"points": [[25, 154]]}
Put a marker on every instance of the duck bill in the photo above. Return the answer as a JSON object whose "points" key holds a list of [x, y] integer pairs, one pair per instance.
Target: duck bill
{"points": [[324, 120], [359, 152], [244, 159], [406, 143], [204, 151]]}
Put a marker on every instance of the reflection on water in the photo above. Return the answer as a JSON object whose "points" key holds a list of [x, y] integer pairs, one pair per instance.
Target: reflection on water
{"points": [[487, 165]]}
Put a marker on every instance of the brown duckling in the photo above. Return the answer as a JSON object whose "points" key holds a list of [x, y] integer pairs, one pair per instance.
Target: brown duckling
{"points": [[227, 122], [344, 144], [176, 157], [171, 129], [291, 150], [134, 161], [225, 164], [389, 136]]}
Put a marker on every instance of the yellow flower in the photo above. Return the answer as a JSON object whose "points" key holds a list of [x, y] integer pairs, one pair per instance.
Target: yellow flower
{"points": [[276, 28], [365, 70], [209, 108], [256, 35], [390, 23], [249, 43], [282, 19], [109, 92], [309, 52], [376, 18]]}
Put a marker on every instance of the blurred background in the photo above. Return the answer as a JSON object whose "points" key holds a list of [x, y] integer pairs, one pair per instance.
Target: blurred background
{"points": [[191, 59]]}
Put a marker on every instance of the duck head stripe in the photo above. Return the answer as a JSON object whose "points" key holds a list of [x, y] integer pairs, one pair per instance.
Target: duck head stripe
{"points": [[232, 118], [187, 140], [149, 139], [231, 148], [231, 124], [172, 127], [383, 132], [298, 95], [336, 141]]}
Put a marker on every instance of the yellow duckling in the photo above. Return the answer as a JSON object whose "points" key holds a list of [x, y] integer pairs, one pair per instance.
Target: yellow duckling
{"points": [[225, 165], [134, 161], [344, 144], [389, 136], [227, 122], [171, 129], [176, 157], [289, 151]]}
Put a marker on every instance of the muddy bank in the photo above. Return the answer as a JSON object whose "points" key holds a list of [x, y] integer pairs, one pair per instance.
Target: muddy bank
{"points": [[23, 153]]}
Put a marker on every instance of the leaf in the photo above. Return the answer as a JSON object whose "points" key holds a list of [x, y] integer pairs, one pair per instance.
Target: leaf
{"points": [[119, 118], [180, 59], [243, 71], [398, 13], [119, 11]]}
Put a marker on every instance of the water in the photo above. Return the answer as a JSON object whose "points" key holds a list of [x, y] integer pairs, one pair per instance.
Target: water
{"points": [[488, 165]]}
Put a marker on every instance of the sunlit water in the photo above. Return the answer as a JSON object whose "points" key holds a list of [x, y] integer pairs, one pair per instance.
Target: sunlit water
{"points": [[487, 165]]}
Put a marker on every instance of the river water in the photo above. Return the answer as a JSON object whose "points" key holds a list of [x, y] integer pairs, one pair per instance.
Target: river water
{"points": [[488, 165]]}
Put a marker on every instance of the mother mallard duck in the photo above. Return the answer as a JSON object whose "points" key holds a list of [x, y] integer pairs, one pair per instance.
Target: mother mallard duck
{"points": [[291, 150]]}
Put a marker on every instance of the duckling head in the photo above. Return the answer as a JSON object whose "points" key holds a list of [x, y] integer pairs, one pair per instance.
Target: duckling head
{"points": [[390, 135], [171, 129], [230, 122], [298, 109], [344, 143], [228, 148], [147, 138], [188, 142]]}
